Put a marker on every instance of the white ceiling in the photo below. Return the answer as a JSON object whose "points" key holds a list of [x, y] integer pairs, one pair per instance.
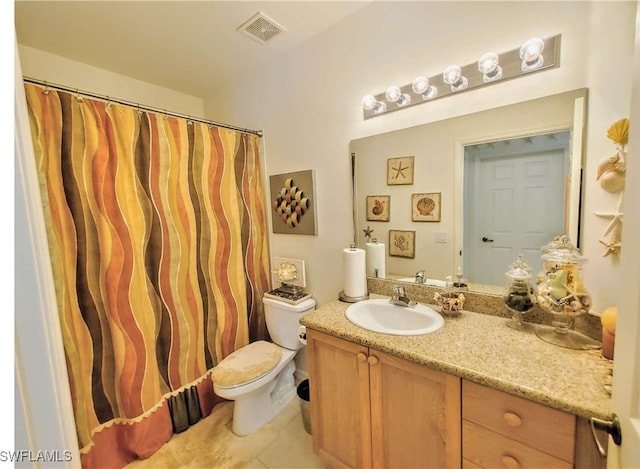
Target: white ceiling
{"points": [[188, 46]]}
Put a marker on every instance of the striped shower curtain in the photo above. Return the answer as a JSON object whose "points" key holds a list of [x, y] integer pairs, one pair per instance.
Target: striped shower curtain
{"points": [[158, 239]]}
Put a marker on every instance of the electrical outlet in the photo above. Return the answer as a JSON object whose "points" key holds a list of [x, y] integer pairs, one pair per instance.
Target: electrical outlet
{"points": [[440, 237]]}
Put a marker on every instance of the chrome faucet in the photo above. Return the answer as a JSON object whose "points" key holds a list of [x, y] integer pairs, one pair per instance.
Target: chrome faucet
{"points": [[399, 298], [420, 276]]}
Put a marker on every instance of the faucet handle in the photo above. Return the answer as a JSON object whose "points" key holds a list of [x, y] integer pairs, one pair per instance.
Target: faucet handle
{"points": [[399, 290]]}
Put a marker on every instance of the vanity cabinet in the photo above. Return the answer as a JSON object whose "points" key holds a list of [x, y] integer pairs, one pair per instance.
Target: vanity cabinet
{"points": [[371, 409], [502, 430]]}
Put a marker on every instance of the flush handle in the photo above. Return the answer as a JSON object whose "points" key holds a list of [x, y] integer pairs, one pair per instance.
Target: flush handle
{"points": [[612, 427], [486, 240]]}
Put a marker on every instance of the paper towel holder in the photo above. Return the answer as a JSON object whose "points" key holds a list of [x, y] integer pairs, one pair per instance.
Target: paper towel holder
{"points": [[351, 299], [342, 296]]}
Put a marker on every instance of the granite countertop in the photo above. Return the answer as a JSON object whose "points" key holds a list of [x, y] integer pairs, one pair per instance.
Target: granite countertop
{"points": [[481, 348]]}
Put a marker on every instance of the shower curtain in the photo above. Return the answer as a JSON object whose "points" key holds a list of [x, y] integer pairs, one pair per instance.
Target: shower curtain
{"points": [[158, 239]]}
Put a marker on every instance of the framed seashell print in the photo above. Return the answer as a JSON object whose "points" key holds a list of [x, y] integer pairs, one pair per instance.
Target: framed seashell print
{"points": [[378, 207], [402, 243], [425, 206]]}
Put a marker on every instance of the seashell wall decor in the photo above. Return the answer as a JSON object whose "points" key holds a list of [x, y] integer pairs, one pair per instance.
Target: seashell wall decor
{"points": [[611, 177]]}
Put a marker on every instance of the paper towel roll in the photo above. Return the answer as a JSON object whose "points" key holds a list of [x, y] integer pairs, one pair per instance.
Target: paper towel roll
{"points": [[355, 279], [375, 260]]}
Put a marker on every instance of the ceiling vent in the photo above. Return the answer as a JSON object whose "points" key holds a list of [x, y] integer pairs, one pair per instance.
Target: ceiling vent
{"points": [[261, 28]]}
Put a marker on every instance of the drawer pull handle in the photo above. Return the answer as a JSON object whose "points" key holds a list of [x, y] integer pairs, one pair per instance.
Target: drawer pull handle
{"points": [[612, 427], [361, 357], [509, 462], [373, 360], [513, 420]]}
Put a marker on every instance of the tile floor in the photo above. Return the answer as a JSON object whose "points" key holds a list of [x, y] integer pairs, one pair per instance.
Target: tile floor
{"points": [[282, 443]]}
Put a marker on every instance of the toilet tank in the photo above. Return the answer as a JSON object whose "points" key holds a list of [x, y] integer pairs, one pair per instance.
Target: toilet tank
{"points": [[283, 320]]}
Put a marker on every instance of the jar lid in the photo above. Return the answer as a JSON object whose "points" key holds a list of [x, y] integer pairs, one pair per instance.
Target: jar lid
{"points": [[519, 269], [560, 249]]}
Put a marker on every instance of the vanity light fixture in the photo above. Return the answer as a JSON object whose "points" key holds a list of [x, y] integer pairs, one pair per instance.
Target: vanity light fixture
{"points": [[453, 76], [488, 66], [531, 54], [395, 95], [423, 87], [491, 68]]}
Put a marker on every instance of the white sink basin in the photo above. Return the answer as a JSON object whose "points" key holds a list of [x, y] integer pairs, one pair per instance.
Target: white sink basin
{"points": [[381, 316]]}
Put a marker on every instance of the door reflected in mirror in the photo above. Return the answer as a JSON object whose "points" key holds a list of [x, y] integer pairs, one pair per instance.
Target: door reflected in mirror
{"points": [[451, 158], [515, 194]]}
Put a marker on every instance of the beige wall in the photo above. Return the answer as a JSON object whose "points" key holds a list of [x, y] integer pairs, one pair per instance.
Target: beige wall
{"points": [[308, 102], [52, 68]]}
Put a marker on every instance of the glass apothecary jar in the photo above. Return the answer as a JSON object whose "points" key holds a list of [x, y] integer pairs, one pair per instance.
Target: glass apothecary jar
{"points": [[519, 297], [561, 292]]}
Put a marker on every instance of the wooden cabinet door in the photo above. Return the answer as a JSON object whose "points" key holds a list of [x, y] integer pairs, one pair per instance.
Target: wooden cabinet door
{"points": [[415, 414], [339, 395]]}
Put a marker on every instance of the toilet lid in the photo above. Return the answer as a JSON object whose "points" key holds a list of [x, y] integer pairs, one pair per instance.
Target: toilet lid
{"points": [[246, 364]]}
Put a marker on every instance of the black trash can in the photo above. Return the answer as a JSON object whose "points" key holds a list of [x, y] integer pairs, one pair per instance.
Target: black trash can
{"points": [[303, 398]]}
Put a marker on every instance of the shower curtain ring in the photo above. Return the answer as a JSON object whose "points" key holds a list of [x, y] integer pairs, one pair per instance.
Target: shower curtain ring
{"points": [[78, 97], [46, 90]]}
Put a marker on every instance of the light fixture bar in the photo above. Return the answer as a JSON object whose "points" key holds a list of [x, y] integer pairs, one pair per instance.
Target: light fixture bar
{"points": [[510, 64]]}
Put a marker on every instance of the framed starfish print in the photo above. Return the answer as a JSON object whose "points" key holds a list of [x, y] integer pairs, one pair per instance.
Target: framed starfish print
{"points": [[400, 170]]}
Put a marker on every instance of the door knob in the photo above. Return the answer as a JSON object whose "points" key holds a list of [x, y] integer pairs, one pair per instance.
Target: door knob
{"points": [[486, 240], [373, 360], [361, 357]]}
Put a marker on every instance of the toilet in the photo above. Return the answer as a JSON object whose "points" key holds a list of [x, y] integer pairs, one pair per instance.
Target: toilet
{"points": [[259, 376]]}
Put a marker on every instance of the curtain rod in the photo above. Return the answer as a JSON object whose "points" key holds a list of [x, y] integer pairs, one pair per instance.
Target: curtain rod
{"points": [[138, 105]]}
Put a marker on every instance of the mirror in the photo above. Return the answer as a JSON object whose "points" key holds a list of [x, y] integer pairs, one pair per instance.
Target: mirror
{"points": [[414, 189]]}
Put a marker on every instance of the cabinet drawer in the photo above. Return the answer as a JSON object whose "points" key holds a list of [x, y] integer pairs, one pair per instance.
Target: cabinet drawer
{"points": [[484, 448], [549, 430]]}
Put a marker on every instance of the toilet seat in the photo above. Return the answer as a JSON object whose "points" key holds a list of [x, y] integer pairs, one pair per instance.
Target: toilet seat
{"points": [[246, 364]]}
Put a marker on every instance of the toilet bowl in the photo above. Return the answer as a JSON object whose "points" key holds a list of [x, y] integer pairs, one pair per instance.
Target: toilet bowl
{"points": [[259, 376]]}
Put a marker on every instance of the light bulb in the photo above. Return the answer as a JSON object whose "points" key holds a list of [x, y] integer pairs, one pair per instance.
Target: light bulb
{"points": [[453, 76], [395, 95], [531, 54], [420, 84], [422, 87], [370, 103], [488, 65]]}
